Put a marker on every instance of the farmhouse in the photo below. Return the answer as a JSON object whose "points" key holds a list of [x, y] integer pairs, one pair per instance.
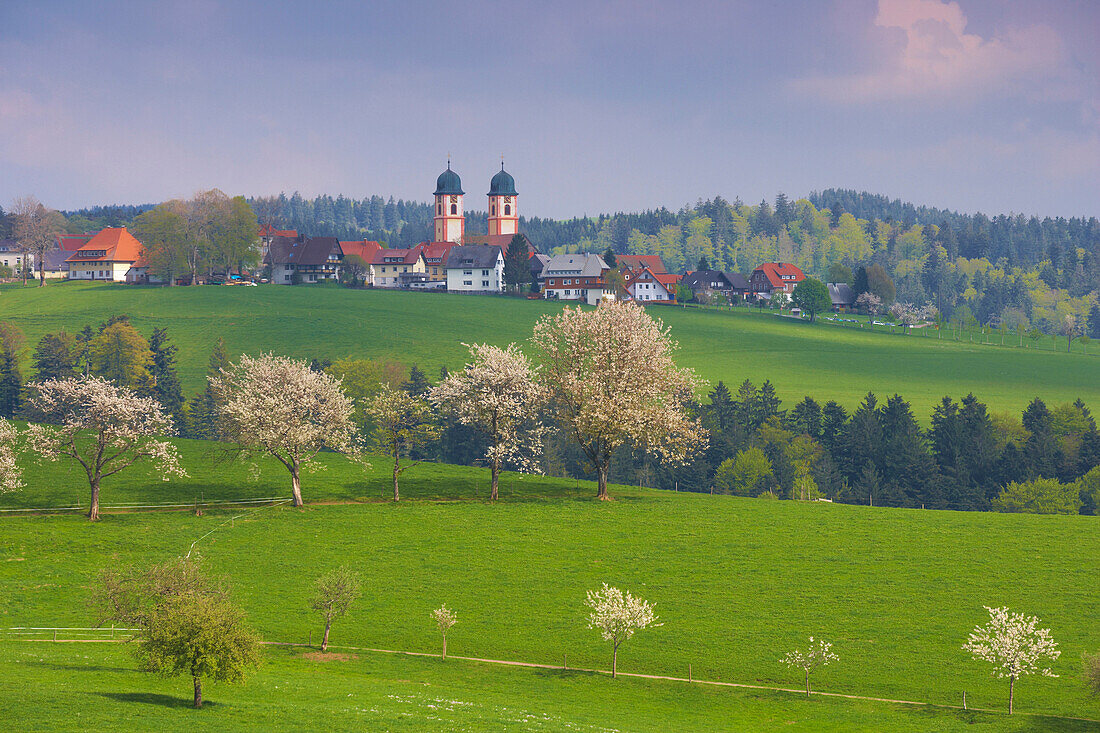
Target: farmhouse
{"points": [[11, 255], [705, 284], [389, 264], [475, 268], [773, 277], [842, 295], [645, 286], [314, 259], [634, 263], [108, 255], [575, 277]]}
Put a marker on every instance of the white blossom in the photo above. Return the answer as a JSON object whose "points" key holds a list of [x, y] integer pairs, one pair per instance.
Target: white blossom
{"points": [[910, 315], [613, 381], [869, 302], [616, 614], [280, 407], [498, 394], [1014, 645], [10, 474], [445, 618], [818, 654], [103, 427]]}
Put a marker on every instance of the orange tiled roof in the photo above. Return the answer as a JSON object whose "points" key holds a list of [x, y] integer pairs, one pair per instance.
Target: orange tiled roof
{"points": [[113, 244], [637, 262], [780, 273], [364, 248]]}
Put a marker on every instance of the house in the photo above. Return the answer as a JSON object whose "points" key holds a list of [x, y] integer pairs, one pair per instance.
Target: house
{"points": [[365, 250], [268, 234], [705, 284], [772, 277], [646, 286], [575, 277], [475, 268], [313, 259], [108, 255], [842, 295], [435, 259], [388, 264], [634, 263], [538, 264], [11, 256]]}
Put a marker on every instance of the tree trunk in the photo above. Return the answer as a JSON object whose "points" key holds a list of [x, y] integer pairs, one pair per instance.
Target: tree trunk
{"points": [[1011, 691], [601, 481], [396, 472], [444, 647], [495, 482], [324, 641], [42, 273], [296, 483], [93, 510], [807, 683], [198, 692], [614, 660]]}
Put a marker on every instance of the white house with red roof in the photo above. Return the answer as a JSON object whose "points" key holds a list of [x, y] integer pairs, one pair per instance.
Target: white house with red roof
{"points": [[108, 255], [634, 263], [772, 277], [647, 286]]}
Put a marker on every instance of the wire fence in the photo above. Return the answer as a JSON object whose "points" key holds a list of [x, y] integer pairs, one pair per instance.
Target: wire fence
{"points": [[168, 505]]}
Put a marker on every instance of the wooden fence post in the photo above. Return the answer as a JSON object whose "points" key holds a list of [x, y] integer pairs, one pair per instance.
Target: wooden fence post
{"points": [[689, 671], [564, 661], [311, 638], [964, 699]]}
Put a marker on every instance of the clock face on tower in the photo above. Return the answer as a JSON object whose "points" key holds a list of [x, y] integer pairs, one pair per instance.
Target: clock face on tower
{"points": [[507, 199], [454, 199]]}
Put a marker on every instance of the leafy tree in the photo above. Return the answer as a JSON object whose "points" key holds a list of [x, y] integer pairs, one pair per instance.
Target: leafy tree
{"points": [[612, 363], [333, 594], [121, 355], [617, 615], [36, 229], [56, 357], [402, 423], [879, 283], [749, 474], [812, 297], [1014, 645], [840, 273], [163, 232], [276, 406], [1038, 496], [684, 294], [103, 427], [354, 270]]}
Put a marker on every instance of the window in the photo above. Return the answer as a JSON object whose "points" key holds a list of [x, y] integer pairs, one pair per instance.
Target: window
{"points": [[484, 283], [567, 292], [467, 272], [493, 209], [507, 209], [484, 273], [467, 282], [454, 209], [439, 208]]}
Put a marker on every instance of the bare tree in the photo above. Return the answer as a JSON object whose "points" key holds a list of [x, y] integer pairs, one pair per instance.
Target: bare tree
{"points": [[280, 407], [103, 427], [402, 423], [613, 382], [36, 230], [499, 395]]}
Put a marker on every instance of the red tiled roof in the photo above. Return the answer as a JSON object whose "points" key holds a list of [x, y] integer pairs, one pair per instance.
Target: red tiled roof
{"points": [[269, 231], [435, 253], [637, 262], [387, 256], [780, 273], [73, 242], [667, 280], [364, 248], [116, 244]]}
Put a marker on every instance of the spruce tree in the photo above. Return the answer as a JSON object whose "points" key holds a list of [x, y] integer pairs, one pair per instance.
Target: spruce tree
{"points": [[166, 381], [203, 414], [517, 267], [11, 378], [56, 357], [1041, 447], [805, 418], [417, 384]]}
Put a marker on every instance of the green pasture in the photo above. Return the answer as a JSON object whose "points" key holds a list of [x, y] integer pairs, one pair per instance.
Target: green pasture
{"points": [[824, 360], [736, 582]]}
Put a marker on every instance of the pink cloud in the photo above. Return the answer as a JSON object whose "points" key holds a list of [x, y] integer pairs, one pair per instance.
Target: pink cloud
{"points": [[931, 54]]}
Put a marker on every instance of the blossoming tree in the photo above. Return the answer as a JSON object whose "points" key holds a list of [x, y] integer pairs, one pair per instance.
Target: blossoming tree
{"points": [[103, 427], [613, 382], [1014, 645], [818, 654], [280, 407], [498, 394], [445, 618], [617, 615], [10, 475]]}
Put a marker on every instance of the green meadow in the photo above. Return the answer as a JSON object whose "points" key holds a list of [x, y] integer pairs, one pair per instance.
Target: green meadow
{"points": [[824, 360], [736, 583]]}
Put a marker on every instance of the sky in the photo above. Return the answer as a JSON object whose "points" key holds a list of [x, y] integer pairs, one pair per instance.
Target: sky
{"points": [[989, 106]]}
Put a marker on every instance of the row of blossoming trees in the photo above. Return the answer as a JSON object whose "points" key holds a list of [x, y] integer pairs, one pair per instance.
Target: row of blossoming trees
{"points": [[605, 376]]}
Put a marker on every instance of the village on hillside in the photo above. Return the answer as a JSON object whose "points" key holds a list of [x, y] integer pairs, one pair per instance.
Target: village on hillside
{"points": [[455, 261]]}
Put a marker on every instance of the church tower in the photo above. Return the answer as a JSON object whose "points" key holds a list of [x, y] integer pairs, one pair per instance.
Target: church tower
{"points": [[450, 219], [503, 215]]}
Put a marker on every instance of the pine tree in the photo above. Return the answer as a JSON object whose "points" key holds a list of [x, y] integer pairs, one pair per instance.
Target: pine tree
{"points": [[1094, 319], [860, 286], [56, 357], [417, 385], [517, 266], [863, 439], [203, 413], [765, 404], [833, 422], [166, 381], [805, 418], [1041, 447], [609, 258], [907, 468]]}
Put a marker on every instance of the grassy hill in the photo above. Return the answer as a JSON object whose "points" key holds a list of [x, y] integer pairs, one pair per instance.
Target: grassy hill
{"points": [[823, 360], [737, 582]]}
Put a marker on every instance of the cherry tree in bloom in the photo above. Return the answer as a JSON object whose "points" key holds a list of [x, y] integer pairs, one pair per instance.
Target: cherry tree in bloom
{"points": [[613, 381], [908, 314], [818, 654], [617, 615], [10, 475], [276, 406], [103, 427], [498, 395], [445, 618], [869, 302], [1014, 645]]}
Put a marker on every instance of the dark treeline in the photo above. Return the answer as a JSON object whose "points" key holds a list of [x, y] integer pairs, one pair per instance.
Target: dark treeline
{"points": [[967, 459]]}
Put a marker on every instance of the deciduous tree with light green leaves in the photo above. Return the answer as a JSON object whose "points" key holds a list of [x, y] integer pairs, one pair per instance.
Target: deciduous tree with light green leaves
{"points": [[402, 422], [333, 595], [1038, 496], [812, 297]]}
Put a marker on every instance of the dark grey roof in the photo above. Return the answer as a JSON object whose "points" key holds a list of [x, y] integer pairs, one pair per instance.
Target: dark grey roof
{"points": [[448, 183], [474, 256], [737, 280], [586, 265], [707, 278], [55, 260], [310, 251], [538, 263], [841, 294]]}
